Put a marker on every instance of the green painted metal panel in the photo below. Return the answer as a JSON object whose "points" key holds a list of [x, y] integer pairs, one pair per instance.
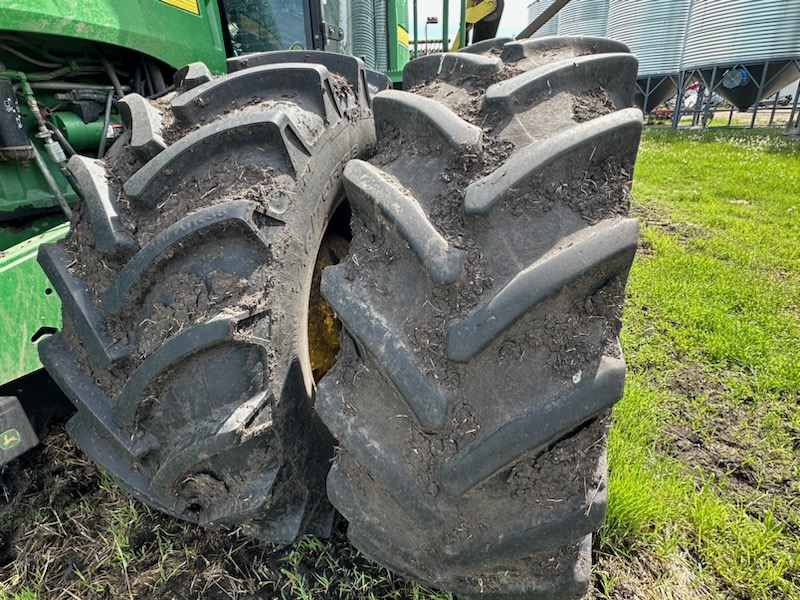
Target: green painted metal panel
{"points": [[165, 29], [23, 189], [399, 52], [13, 233], [28, 303]]}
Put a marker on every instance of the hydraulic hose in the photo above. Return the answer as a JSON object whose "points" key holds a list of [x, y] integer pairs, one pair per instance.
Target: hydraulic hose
{"points": [[51, 182], [33, 61], [101, 151], [112, 74]]}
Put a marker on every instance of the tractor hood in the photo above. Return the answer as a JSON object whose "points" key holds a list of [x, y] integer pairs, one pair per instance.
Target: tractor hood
{"points": [[176, 32]]}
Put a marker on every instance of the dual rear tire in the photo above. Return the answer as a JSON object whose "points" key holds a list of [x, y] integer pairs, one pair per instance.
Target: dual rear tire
{"points": [[480, 301]]}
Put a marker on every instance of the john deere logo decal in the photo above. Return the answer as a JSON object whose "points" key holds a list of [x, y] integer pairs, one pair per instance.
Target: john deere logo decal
{"points": [[9, 438]]}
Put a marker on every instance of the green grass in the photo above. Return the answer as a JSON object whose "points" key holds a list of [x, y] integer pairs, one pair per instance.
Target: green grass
{"points": [[703, 450]]}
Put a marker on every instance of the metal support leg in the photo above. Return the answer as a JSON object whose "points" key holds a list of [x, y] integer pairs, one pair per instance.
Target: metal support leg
{"points": [[760, 92], [445, 17], [676, 113], [774, 108], [416, 32], [710, 89], [698, 105], [794, 110]]}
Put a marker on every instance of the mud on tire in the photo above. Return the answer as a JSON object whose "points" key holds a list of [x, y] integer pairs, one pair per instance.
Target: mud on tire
{"points": [[481, 304], [185, 286]]}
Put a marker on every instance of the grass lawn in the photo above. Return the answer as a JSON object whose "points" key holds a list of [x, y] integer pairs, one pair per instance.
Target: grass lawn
{"points": [[704, 450]]}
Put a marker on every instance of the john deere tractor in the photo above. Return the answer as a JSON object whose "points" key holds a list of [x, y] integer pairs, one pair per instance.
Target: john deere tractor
{"points": [[269, 284]]}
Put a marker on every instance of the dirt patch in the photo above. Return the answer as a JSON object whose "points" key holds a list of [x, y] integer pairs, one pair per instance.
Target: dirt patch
{"points": [[452, 302], [94, 268], [120, 158], [426, 453], [67, 532], [734, 446], [684, 231], [464, 98], [532, 570], [723, 456], [106, 379], [97, 270], [170, 132], [229, 182], [743, 467], [196, 298], [634, 576]]}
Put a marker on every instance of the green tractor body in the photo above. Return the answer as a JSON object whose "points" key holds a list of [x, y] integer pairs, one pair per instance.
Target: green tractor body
{"points": [[176, 32]]}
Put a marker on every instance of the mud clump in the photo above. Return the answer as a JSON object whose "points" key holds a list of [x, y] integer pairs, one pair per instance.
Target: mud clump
{"points": [[575, 338], [106, 379], [593, 191], [229, 182], [121, 161], [564, 470], [94, 268], [196, 298], [591, 105], [169, 127]]}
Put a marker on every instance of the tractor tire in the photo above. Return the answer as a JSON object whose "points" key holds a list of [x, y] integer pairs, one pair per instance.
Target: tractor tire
{"points": [[481, 303], [186, 281]]}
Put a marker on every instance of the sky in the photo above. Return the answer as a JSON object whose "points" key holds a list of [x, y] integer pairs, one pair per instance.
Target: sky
{"points": [[514, 19]]}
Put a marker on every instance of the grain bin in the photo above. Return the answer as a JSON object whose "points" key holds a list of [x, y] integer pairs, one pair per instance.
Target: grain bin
{"points": [[536, 8], [655, 31], [745, 50], [583, 17]]}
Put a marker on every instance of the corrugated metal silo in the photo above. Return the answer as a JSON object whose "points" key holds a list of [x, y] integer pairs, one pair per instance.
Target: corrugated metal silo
{"points": [[536, 8], [362, 28], [654, 30], [740, 46], [583, 17]]}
